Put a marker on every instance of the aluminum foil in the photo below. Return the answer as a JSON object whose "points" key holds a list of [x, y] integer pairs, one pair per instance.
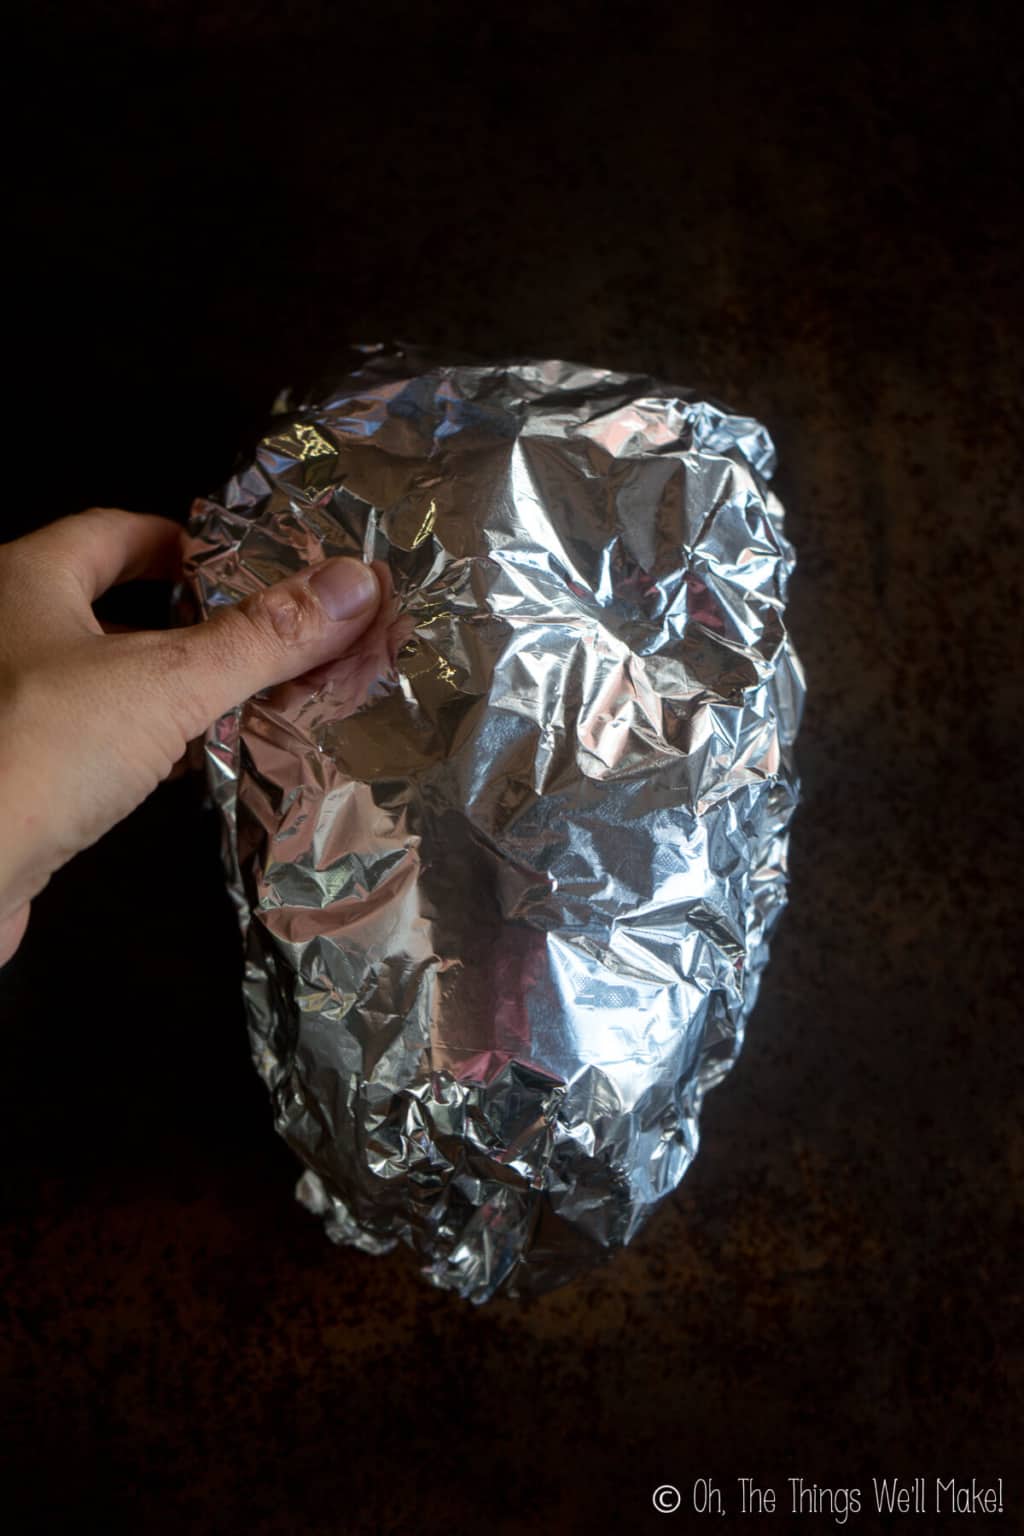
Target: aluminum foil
{"points": [[507, 880]]}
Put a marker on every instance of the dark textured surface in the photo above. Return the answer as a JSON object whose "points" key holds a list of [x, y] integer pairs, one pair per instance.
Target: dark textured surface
{"points": [[821, 226]]}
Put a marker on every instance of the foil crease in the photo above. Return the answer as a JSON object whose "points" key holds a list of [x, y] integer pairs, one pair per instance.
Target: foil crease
{"points": [[506, 902]]}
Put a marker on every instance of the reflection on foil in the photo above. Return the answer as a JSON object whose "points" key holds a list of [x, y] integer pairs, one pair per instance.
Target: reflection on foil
{"points": [[507, 876]]}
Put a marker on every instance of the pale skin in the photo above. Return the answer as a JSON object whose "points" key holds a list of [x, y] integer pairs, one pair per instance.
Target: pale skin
{"points": [[91, 722]]}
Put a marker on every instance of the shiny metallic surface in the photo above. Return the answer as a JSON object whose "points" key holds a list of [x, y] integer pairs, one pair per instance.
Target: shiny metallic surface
{"points": [[508, 875]]}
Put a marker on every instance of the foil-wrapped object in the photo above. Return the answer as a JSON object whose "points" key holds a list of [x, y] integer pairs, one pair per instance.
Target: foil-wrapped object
{"points": [[506, 911]]}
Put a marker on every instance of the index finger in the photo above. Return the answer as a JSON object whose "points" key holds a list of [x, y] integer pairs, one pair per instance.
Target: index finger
{"points": [[107, 545]]}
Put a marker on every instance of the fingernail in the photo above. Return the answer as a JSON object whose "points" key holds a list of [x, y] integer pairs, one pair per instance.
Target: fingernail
{"points": [[345, 588]]}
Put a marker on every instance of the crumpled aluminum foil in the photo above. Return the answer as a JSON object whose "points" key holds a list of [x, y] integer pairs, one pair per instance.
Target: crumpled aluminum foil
{"points": [[506, 911]]}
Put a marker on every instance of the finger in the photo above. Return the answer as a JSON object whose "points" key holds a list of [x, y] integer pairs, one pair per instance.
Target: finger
{"points": [[288, 629], [106, 545]]}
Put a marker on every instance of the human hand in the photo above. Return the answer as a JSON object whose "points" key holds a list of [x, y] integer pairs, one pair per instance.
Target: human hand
{"points": [[91, 722]]}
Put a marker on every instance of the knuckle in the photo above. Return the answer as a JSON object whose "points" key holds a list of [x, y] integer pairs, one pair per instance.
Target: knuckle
{"points": [[288, 615], [246, 627], [106, 514], [104, 522]]}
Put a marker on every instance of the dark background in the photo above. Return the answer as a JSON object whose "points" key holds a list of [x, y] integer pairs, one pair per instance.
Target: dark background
{"points": [[817, 220]]}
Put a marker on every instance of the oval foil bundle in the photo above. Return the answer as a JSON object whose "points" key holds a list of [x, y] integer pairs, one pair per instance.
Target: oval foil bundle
{"points": [[507, 878]]}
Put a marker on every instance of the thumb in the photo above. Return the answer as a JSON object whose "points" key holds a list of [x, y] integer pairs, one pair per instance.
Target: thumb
{"points": [[287, 629]]}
